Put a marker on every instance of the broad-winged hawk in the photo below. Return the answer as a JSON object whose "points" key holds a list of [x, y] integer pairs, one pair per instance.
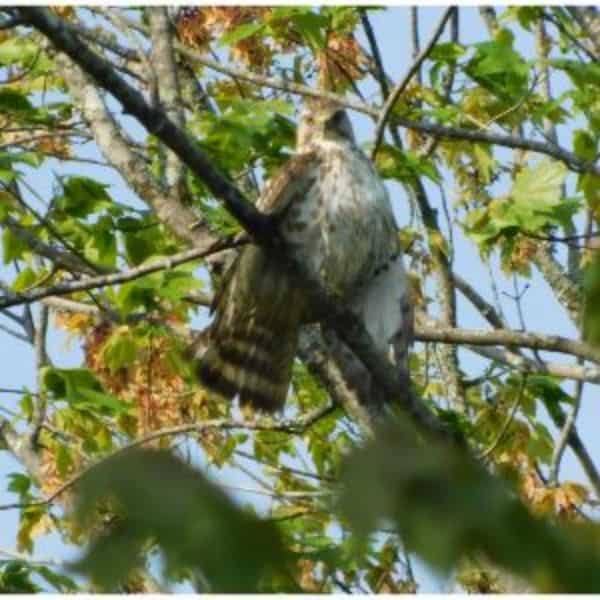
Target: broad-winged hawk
{"points": [[337, 218]]}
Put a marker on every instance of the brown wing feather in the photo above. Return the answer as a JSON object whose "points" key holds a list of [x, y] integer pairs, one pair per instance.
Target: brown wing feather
{"points": [[289, 183], [259, 308]]}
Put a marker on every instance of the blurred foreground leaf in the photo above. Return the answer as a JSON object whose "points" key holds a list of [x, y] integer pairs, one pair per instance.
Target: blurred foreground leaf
{"points": [[160, 498], [446, 506]]}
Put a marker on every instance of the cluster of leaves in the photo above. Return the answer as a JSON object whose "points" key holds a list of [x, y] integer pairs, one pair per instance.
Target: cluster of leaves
{"points": [[256, 35]]}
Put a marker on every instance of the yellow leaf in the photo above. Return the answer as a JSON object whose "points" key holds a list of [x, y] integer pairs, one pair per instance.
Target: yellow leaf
{"points": [[575, 492]]}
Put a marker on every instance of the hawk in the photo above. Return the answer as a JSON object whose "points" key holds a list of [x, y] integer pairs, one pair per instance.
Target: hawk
{"points": [[335, 216]]}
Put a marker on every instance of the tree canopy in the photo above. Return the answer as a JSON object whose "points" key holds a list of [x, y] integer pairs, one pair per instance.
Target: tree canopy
{"points": [[133, 145]]}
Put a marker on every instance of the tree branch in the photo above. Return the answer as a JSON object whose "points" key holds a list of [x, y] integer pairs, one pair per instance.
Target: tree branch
{"points": [[90, 283], [568, 292], [294, 427], [434, 331], [488, 312], [313, 352], [525, 364], [402, 85], [59, 257], [441, 131], [118, 153], [165, 67], [154, 119]]}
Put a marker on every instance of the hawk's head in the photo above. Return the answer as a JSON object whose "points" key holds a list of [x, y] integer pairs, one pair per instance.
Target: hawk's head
{"points": [[323, 120]]}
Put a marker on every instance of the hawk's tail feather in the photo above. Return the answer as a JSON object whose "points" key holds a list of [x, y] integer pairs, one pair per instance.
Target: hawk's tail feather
{"points": [[261, 382], [253, 339]]}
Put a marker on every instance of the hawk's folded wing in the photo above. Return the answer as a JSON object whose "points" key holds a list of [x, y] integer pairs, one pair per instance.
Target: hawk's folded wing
{"points": [[291, 184]]}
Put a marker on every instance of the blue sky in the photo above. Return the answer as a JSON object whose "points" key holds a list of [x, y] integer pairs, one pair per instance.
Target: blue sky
{"points": [[542, 313]]}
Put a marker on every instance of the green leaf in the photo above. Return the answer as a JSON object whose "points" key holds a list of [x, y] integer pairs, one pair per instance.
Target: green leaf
{"points": [[8, 159], [534, 204], [581, 73], [241, 33], [591, 290], [17, 50], [540, 444], [527, 15], [30, 518], [64, 460], [83, 196], [15, 578], [58, 581], [190, 519], [142, 238], [177, 283], [311, 27], [404, 165], [94, 400], [26, 405], [81, 389], [101, 246], [541, 184], [19, 483], [548, 389], [585, 145], [141, 293], [120, 350], [447, 52], [13, 247], [12, 101], [497, 67], [25, 279]]}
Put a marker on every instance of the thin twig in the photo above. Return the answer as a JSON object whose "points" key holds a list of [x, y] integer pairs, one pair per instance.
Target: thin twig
{"points": [[41, 361], [43, 136], [380, 71], [399, 89], [16, 334]]}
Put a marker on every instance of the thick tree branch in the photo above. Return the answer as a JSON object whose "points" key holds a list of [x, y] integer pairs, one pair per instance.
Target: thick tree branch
{"points": [[165, 68], [314, 353], [434, 331], [568, 292]]}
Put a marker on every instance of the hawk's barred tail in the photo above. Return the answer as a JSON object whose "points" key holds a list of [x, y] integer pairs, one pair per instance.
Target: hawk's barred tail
{"points": [[253, 339]]}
